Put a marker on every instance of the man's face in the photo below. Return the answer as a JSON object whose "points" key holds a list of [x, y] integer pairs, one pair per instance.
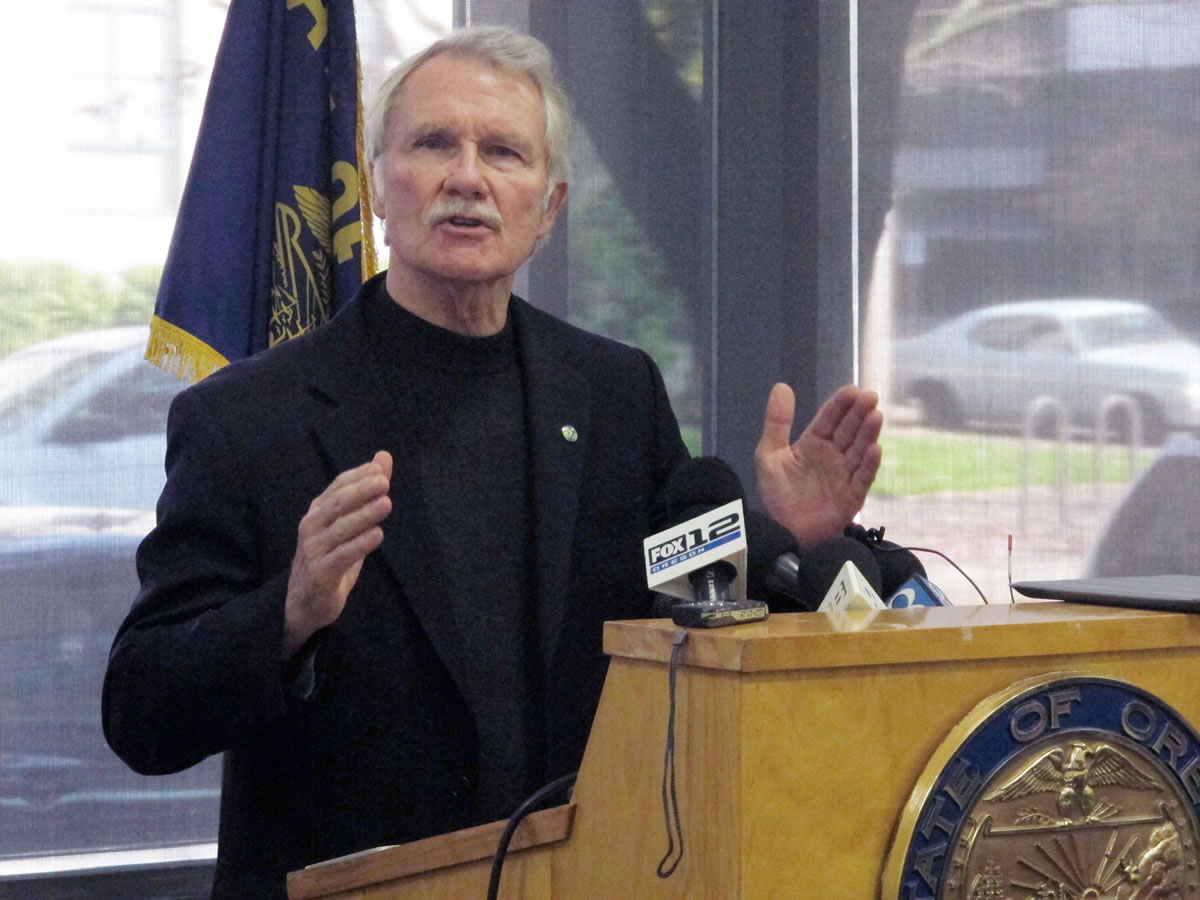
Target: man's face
{"points": [[464, 173]]}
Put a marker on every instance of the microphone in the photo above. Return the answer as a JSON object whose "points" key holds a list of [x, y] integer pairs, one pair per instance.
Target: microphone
{"points": [[698, 485], [773, 563], [917, 590], [840, 573], [896, 564], [701, 560], [904, 580], [805, 580]]}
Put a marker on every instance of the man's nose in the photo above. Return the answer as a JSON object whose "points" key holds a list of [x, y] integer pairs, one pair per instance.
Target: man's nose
{"points": [[465, 177]]}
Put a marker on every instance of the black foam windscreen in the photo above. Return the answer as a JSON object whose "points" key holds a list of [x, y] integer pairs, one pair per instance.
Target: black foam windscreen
{"points": [[697, 486], [766, 541], [896, 566], [661, 605], [896, 563], [819, 566]]}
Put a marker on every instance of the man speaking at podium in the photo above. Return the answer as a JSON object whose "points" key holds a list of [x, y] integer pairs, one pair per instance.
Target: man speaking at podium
{"points": [[385, 550]]}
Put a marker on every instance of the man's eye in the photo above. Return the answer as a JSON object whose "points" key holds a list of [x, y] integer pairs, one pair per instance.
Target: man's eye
{"points": [[431, 142], [503, 151]]}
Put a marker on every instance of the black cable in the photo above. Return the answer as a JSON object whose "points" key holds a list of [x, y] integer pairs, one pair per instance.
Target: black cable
{"points": [[526, 807], [957, 567], [943, 556], [669, 796], [874, 538]]}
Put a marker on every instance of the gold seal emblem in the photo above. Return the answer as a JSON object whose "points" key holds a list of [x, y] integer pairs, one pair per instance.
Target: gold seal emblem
{"points": [[1077, 819], [1064, 788]]}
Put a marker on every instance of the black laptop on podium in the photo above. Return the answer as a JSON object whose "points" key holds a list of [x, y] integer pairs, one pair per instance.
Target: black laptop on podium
{"points": [[1178, 593]]}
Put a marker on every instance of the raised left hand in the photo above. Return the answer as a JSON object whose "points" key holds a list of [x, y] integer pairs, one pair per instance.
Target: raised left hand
{"points": [[816, 485]]}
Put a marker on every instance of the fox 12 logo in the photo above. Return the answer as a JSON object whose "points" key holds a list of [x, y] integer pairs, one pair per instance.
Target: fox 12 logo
{"points": [[670, 555]]}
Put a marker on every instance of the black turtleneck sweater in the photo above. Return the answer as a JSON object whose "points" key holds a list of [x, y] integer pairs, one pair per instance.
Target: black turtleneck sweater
{"points": [[472, 461]]}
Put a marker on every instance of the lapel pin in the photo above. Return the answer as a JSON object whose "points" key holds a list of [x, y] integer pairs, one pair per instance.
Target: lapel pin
{"points": [[569, 432]]}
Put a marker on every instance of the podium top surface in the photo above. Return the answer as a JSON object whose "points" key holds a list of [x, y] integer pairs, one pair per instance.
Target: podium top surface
{"points": [[788, 641]]}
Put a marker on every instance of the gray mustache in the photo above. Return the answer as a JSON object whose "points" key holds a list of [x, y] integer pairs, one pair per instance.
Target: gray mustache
{"points": [[456, 208]]}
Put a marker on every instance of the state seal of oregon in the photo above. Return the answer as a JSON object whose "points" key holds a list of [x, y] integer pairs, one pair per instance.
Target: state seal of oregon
{"points": [[1063, 787]]}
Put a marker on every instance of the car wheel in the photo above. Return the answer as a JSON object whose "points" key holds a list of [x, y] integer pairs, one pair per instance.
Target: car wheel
{"points": [[1044, 424], [1118, 428], [940, 406]]}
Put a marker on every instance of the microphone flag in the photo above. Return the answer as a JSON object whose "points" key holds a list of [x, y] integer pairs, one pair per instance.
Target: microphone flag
{"points": [[917, 591], [850, 590], [269, 241], [718, 535]]}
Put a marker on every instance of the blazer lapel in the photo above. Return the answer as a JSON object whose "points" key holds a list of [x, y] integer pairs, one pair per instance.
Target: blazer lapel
{"points": [[358, 418], [557, 404]]}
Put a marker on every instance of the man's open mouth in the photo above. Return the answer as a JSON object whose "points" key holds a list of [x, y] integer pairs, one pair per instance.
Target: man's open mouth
{"points": [[464, 215]]}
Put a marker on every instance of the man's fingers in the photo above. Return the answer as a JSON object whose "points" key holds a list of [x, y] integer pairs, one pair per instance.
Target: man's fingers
{"points": [[849, 417], [352, 489], [864, 472], [345, 554], [337, 531], [353, 521], [383, 459], [379, 467], [339, 516], [860, 437], [833, 412], [779, 418]]}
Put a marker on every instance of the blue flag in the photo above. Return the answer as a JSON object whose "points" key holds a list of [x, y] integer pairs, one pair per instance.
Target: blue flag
{"points": [[269, 241]]}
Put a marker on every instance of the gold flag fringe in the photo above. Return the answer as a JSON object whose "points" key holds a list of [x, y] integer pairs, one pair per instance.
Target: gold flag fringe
{"points": [[370, 262], [182, 354]]}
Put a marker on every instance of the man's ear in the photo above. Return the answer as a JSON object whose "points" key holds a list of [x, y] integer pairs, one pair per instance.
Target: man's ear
{"points": [[556, 200], [376, 189]]}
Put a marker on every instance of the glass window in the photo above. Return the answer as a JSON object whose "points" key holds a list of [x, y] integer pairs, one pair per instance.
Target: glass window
{"points": [[118, 99], [1043, 179], [82, 416], [1025, 177], [629, 260]]}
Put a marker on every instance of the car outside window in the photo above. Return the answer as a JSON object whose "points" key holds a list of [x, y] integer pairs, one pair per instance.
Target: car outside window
{"points": [[32, 390], [1047, 335], [1006, 333], [1125, 328], [133, 404]]}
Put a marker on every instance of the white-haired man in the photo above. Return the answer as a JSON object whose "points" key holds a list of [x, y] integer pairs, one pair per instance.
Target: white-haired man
{"points": [[503, 464]]}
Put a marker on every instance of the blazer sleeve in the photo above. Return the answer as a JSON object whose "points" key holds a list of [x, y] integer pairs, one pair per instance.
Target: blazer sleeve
{"points": [[668, 450], [195, 666]]}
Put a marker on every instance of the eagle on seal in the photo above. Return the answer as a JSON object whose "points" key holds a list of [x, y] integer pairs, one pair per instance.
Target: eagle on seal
{"points": [[1073, 774]]}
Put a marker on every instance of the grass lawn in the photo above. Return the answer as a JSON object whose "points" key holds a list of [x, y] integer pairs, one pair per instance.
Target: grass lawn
{"points": [[922, 463]]}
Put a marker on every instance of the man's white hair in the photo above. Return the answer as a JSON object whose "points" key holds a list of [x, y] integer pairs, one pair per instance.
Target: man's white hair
{"points": [[508, 50]]}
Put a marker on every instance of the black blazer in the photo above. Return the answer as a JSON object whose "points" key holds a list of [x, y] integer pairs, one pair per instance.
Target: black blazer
{"points": [[380, 749]]}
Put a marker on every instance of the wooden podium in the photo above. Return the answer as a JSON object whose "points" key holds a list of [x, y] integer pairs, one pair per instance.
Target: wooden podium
{"points": [[798, 743]]}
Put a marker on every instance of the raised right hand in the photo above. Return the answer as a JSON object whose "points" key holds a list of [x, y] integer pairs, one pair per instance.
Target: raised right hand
{"points": [[341, 527]]}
